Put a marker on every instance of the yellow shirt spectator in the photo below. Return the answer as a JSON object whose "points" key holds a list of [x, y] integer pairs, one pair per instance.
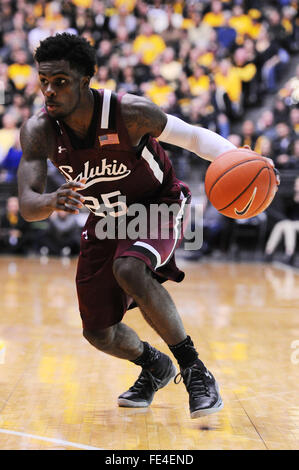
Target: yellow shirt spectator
{"points": [[241, 23], [198, 84], [159, 92], [82, 3], [178, 6], [110, 84], [19, 74], [213, 19], [227, 78], [247, 72], [149, 46], [102, 80], [255, 30], [187, 23], [8, 134], [129, 4], [206, 59]]}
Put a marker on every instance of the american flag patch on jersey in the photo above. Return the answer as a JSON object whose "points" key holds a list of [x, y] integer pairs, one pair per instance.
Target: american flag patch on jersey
{"points": [[108, 139]]}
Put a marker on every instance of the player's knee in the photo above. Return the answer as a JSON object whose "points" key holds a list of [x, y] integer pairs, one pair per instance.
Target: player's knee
{"points": [[100, 338], [130, 273]]}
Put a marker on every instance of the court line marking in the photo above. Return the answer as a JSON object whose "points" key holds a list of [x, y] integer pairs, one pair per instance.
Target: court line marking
{"points": [[49, 439]]}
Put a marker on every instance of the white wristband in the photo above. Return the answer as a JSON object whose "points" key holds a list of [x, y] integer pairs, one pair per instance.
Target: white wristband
{"points": [[201, 141]]}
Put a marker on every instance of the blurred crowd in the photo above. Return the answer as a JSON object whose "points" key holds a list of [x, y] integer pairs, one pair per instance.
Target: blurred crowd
{"points": [[206, 62]]}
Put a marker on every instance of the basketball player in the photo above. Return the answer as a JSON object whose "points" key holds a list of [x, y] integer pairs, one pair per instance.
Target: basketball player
{"points": [[104, 144]]}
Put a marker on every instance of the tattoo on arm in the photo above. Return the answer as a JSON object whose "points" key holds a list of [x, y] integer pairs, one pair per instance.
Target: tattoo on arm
{"points": [[141, 117]]}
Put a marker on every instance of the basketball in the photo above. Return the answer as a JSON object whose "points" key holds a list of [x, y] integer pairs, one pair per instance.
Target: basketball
{"points": [[240, 183]]}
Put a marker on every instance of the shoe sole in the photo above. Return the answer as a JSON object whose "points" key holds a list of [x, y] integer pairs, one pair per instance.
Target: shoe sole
{"points": [[123, 402], [208, 411]]}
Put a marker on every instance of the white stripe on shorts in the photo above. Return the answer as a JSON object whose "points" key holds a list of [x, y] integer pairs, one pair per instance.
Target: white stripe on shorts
{"points": [[153, 250], [176, 230], [177, 236]]}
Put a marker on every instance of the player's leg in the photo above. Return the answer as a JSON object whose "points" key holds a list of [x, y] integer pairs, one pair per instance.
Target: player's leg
{"points": [[154, 301], [118, 340], [159, 310], [102, 304], [157, 368]]}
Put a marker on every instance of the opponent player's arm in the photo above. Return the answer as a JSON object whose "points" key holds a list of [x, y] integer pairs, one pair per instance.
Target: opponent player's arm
{"points": [[37, 146], [144, 117]]}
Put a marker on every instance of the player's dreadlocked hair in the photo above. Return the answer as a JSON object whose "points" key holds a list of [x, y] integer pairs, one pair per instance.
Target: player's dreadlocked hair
{"points": [[76, 50]]}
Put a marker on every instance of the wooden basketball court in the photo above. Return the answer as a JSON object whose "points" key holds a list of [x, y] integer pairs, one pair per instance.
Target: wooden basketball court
{"points": [[57, 392]]}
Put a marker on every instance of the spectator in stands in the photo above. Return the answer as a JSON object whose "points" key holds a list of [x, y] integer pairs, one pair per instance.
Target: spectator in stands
{"points": [[294, 121], [265, 124], [38, 33], [247, 74], [270, 59], [148, 45], [13, 229], [158, 17], [282, 143], [235, 139], [241, 22], [215, 17], [9, 89], [229, 84], [200, 34], [290, 23], [9, 166], [63, 234], [278, 30], [213, 225], [170, 68], [280, 110], [263, 146], [8, 134], [226, 34], [128, 83], [104, 52], [159, 91], [122, 19], [102, 79], [199, 81], [286, 230], [19, 72], [290, 159], [249, 135], [294, 159]]}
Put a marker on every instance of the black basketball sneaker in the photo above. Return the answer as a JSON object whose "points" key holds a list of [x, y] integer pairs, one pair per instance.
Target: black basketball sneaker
{"points": [[204, 397], [150, 380]]}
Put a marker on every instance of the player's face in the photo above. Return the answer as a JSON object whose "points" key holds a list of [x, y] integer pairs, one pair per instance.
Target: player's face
{"points": [[61, 87]]}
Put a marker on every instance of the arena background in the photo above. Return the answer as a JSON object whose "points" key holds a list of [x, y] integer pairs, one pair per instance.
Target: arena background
{"points": [[231, 66]]}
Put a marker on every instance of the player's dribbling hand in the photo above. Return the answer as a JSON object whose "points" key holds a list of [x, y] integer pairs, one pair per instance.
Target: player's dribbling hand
{"points": [[67, 198], [270, 161]]}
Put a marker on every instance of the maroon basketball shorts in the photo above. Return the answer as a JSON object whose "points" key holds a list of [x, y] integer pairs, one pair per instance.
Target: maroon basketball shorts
{"points": [[102, 302]]}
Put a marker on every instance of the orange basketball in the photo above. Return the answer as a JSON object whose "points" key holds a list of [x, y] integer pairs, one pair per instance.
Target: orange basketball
{"points": [[240, 183]]}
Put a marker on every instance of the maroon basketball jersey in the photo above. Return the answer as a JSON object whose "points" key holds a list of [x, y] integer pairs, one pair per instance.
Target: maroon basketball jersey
{"points": [[114, 169]]}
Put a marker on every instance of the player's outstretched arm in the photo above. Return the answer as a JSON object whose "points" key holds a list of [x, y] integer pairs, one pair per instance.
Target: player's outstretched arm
{"points": [[144, 117], [37, 145]]}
